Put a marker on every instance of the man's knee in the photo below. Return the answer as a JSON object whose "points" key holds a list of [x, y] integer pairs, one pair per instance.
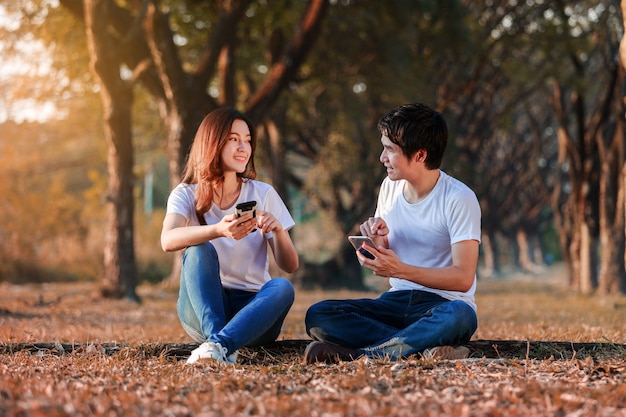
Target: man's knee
{"points": [[318, 313], [464, 315]]}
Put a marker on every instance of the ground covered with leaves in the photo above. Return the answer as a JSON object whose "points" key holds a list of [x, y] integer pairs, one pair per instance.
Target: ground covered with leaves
{"points": [[538, 351]]}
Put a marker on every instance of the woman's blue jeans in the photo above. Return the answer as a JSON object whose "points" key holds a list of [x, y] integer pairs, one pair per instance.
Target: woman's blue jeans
{"points": [[234, 318], [395, 325]]}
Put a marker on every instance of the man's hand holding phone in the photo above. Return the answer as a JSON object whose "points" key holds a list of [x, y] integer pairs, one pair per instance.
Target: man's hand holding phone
{"points": [[361, 243], [381, 261]]}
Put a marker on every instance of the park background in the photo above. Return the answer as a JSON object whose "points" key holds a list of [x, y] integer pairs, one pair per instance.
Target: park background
{"points": [[99, 101]]}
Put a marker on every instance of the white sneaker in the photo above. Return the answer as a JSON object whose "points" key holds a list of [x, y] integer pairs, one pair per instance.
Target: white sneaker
{"points": [[211, 350]]}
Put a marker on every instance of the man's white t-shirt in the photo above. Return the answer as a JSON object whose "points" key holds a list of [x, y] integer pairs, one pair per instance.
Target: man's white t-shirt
{"points": [[422, 234], [244, 263]]}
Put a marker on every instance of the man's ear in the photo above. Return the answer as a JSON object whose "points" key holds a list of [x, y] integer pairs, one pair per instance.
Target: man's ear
{"points": [[420, 155]]}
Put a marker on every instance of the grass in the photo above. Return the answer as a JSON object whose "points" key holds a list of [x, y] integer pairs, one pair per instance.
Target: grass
{"points": [[141, 379]]}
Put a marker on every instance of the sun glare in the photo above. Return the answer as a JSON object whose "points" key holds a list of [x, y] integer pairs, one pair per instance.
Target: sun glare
{"points": [[14, 70]]}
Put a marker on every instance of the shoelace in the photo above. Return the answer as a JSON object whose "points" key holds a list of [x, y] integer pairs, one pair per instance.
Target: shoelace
{"points": [[224, 352]]}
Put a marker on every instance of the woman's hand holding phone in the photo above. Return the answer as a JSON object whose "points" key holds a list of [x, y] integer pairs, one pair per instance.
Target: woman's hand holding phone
{"points": [[241, 223], [249, 206]]}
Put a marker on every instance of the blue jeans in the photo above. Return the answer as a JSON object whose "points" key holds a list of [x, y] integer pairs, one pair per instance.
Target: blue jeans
{"points": [[395, 325], [234, 318]]}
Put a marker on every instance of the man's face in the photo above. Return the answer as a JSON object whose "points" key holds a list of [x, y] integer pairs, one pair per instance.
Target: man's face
{"points": [[397, 164]]}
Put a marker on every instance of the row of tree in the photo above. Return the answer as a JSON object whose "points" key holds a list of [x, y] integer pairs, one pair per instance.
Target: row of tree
{"points": [[532, 92]]}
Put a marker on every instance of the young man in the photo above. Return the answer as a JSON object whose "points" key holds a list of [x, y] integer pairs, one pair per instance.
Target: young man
{"points": [[427, 231]]}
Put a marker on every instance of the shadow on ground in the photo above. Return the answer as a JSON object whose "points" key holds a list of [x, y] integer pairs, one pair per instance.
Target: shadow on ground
{"points": [[289, 350]]}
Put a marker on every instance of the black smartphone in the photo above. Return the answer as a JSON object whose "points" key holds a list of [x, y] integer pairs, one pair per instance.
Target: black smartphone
{"points": [[243, 208], [357, 242]]}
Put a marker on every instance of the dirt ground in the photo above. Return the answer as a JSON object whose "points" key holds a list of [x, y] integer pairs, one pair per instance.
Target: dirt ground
{"points": [[539, 351]]}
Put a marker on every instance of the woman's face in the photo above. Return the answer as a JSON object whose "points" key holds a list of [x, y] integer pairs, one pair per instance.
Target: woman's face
{"points": [[238, 148]]}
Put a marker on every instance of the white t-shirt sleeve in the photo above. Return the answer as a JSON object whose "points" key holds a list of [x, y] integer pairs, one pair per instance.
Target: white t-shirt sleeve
{"points": [[464, 211], [182, 201], [275, 205]]}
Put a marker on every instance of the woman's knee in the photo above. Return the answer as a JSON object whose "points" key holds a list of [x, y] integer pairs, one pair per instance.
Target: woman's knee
{"points": [[202, 252], [282, 288], [200, 259]]}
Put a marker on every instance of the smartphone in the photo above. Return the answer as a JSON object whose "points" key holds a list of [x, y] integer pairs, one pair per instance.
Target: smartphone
{"points": [[357, 242], [243, 208]]}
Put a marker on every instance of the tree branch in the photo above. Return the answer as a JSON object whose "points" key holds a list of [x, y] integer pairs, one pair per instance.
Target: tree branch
{"points": [[284, 70]]}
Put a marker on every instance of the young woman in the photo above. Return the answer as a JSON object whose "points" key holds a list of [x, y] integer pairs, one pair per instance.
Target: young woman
{"points": [[227, 297]]}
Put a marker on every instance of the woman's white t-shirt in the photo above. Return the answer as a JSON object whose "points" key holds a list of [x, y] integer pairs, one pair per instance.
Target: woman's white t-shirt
{"points": [[422, 234], [244, 263]]}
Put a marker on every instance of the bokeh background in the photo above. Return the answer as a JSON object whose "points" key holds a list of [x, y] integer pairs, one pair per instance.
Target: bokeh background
{"points": [[99, 101]]}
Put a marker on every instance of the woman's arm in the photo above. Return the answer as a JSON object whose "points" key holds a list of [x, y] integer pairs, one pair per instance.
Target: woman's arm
{"points": [[282, 246], [176, 235]]}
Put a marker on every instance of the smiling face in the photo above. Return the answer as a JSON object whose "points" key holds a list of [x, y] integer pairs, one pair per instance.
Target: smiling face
{"points": [[398, 165], [238, 148]]}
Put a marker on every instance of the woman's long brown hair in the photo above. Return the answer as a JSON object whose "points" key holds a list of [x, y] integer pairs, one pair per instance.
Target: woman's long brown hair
{"points": [[204, 163]]}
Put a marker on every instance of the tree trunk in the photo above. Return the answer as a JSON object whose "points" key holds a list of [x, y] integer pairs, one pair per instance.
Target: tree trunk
{"points": [[120, 271], [574, 211], [525, 251], [274, 151], [611, 196], [523, 255], [585, 285], [488, 255]]}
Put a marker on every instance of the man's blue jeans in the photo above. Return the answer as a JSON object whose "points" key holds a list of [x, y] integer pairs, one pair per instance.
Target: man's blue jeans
{"points": [[395, 325], [234, 318]]}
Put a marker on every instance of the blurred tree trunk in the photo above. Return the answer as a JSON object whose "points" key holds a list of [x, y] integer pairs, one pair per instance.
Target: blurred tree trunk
{"points": [[526, 258], [610, 273], [488, 255], [576, 158], [610, 139], [120, 274], [590, 212]]}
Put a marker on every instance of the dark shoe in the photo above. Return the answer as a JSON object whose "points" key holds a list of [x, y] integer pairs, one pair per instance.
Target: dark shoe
{"points": [[446, 353], [327, 352]]}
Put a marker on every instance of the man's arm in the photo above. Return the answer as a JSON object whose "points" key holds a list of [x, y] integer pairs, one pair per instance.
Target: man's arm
{"points": [[457, 277]]}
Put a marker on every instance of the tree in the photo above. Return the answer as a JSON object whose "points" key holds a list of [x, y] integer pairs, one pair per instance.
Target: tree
{"points": [[581, 90], [589, 207], [140, 37]]}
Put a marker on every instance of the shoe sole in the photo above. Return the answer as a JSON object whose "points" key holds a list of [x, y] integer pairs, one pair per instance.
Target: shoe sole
{"points": [[441, 353]]}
